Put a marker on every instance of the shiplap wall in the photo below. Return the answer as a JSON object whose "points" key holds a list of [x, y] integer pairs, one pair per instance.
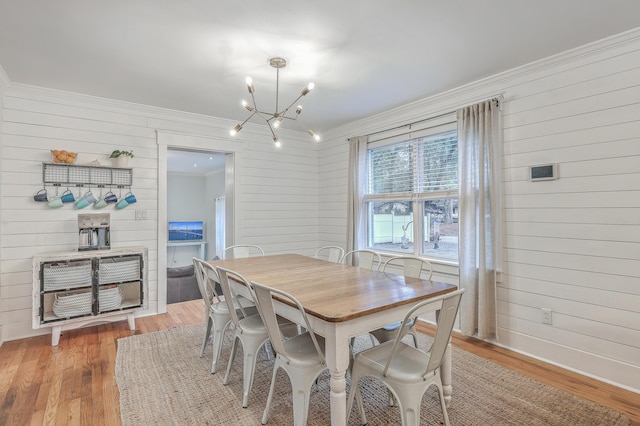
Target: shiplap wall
{"points": [[571, 245], [4, 82], [37, 120]]}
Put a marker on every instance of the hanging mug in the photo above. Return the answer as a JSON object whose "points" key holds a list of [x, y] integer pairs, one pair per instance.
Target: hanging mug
{"points": [[130, 198], [56, 202], [67, 197], [85, 200], [110, 198], [41, 195]]}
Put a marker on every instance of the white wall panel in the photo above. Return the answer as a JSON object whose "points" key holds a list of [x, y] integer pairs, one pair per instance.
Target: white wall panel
{"points": [[37, 120], [571, 245]]}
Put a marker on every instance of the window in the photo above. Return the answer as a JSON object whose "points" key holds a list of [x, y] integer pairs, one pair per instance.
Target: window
{"points": [[412, 194]]}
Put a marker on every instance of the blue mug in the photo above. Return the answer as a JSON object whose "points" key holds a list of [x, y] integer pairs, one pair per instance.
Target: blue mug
{"points": [[67, 197], [130, 198], [110, 198]]}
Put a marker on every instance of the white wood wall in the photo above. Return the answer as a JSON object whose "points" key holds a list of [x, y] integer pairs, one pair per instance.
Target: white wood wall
{"points": [[4, 82], [277, 210], [571, 245]]}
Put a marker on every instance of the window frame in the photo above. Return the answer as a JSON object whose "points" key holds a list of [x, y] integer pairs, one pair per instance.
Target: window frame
{"points": [[417, 199]]}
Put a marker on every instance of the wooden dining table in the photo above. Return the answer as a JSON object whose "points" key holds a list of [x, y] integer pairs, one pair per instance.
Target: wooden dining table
{"points": [[341, 301]]}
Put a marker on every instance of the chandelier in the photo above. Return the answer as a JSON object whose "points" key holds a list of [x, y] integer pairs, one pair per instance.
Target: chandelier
{"points": [[274, 119]]}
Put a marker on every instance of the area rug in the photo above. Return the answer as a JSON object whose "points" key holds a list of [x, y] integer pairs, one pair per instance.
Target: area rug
{"points": [[163, 381]]}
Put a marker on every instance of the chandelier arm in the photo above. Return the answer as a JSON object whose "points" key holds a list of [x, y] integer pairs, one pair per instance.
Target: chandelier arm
{"points": [[292, 104], [272, 132], [253, 99], [264, 115], [249, 118]]}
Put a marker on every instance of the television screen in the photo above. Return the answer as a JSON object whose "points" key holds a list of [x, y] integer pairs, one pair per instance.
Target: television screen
{"points": [[185, 231]]}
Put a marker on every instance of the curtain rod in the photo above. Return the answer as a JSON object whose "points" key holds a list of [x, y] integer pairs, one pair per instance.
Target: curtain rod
{"points": [[498, 98]]}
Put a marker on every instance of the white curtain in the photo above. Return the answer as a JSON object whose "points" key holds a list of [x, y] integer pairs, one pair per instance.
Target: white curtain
{"points": [[480, 159], [356, 182]]}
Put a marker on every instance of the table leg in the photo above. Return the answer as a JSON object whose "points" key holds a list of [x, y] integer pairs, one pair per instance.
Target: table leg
{"points": [[337, 351]]}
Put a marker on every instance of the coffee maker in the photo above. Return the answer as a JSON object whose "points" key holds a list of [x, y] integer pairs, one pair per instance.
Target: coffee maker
{"points": [[94, 232]]}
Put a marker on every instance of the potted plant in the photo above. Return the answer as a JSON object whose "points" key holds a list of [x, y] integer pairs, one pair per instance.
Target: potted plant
{"points": [[121, 158]]}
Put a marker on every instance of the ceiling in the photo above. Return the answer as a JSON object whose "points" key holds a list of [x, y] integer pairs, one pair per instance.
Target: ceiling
{"points": [[193, 162], [365, 56]]}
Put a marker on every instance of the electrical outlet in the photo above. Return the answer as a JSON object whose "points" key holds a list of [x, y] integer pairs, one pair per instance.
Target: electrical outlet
{"points": [[546, 315]]}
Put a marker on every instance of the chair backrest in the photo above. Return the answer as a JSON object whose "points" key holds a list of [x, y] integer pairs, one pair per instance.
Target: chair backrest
{"points": [[242, 250], [263, 297], [412, 266], [448, 305], [331, 253], [229, 294], [206, 279], [368, 259]]}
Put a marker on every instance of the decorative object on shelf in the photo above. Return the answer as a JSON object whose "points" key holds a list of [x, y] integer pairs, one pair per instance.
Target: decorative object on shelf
{"points": [[121, 158], [274, 119], [63, 156]]}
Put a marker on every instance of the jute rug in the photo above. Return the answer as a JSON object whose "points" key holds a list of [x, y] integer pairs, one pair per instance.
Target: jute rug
{"points": [[162, 381]]}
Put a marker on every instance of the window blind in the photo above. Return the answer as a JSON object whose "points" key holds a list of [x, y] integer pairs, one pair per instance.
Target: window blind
{"points": [[420, 165]]}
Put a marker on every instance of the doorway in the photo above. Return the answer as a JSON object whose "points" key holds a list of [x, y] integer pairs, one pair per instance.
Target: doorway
{"points": [[196, 187]]}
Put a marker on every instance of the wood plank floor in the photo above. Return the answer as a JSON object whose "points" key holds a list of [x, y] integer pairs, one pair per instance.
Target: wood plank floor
{"points": [[74, 383]]}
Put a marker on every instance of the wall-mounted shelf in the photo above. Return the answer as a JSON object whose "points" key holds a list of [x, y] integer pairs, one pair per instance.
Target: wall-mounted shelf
{"points": [[97, 176]]}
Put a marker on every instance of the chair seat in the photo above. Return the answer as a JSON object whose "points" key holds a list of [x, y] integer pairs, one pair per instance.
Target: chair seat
{"points": [[406, 365], [302, 351], [253, 325]]}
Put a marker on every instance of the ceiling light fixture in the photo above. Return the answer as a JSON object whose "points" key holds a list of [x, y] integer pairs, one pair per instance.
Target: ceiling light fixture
{"points": [[274, 119]]}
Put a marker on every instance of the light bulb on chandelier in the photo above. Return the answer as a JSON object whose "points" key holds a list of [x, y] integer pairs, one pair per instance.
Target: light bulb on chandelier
{"points": [[274, 119]]}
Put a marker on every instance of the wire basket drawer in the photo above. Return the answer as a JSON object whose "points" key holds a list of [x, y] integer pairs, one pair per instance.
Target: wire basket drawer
{"points": [[62, 276], [119, 270], [72, 305], [109, 299]]}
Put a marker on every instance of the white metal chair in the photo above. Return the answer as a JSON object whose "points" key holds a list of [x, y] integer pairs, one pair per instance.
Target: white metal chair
{"points": [[406, 371], [242, 250], [331, 253], [216, 310], [250, 331], [368, 259], [301, 357], [412, 267]]}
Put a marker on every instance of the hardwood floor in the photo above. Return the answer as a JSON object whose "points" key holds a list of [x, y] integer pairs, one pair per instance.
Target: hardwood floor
{"points": [[74, 383]]}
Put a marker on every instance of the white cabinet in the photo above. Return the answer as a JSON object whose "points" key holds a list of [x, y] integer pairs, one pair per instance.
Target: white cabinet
{"points": [[75, 289]]}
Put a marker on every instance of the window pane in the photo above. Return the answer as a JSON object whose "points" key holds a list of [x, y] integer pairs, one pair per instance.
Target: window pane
{"points": [[439, 154], [441, 228], [391, 226], [391, 168]]}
